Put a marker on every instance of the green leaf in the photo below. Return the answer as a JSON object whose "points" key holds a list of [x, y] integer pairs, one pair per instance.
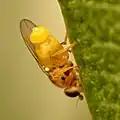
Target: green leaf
{"points": [[95, 25]]}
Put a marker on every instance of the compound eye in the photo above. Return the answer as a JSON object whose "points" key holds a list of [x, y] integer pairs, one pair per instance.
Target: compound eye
{"points": [[72, 94]]}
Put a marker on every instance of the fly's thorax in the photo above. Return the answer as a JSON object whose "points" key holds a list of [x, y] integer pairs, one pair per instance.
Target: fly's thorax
{"points": [[49, 46], [46, 49]]}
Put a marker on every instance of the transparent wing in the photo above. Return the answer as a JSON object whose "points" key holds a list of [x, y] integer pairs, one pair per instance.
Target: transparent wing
{"points": [[26, 27]]}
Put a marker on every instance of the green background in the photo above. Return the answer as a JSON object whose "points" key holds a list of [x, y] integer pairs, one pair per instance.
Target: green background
{"points": [[95, 25]]}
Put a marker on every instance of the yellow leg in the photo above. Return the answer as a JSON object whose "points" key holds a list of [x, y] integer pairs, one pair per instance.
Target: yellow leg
{"points": [[64, 50], [69, 79], [62, 70], [65, 40]]}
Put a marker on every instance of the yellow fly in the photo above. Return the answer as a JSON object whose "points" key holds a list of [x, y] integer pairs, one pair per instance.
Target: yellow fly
{"points": [[52, 57]]}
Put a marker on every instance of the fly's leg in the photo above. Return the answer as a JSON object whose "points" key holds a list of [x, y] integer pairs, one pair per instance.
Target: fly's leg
{"points": [[69, 79], [65, 40], [63, 70], [78, 84], [64, 50]]}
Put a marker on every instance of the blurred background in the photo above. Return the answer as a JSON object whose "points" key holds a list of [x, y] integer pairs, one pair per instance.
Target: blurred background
{"points": [[25, 92]]}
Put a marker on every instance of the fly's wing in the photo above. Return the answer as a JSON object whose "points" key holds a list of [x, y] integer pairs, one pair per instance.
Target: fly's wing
{"points": [[26, 27]]}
